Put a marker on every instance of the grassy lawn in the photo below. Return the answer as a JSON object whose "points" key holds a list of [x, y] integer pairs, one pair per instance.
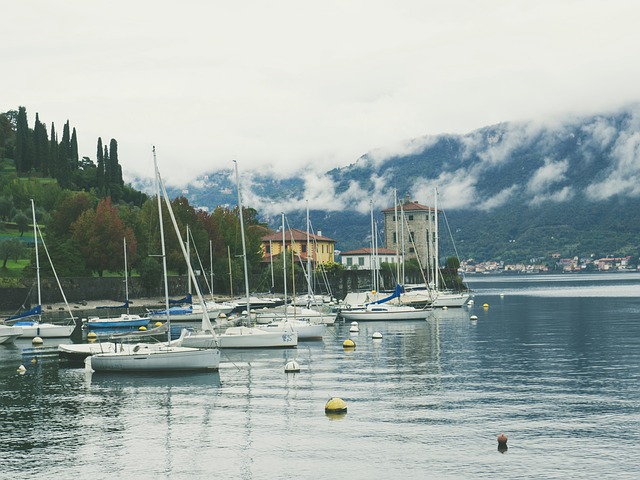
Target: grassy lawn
{"points": [[13, 268]]}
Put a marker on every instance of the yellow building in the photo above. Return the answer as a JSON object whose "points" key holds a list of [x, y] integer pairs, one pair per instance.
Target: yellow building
{"points": [[320, 249]]}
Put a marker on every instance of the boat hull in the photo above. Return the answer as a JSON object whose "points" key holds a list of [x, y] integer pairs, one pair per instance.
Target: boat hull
{"points": [[156, 359], [124, 321], [305, 331], [44, 330], [9, 333], [244, 337], [363, 315]]}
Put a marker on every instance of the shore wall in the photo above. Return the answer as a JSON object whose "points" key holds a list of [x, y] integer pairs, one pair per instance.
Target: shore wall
{"points": [[81, 289]]}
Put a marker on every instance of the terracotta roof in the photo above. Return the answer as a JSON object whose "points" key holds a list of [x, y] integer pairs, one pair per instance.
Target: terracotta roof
{"points": [[410, 206], [367, 251], [298, 236]]}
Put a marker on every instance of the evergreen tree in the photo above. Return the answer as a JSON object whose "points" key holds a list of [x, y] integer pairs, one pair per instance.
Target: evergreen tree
{"points": [[53, 152], [73, 151], [22, 140], [41, 144], [63, 170], [100, 170]]}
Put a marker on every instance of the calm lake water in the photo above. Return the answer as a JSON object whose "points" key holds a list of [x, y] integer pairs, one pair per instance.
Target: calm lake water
{"points": [[553, 362]]}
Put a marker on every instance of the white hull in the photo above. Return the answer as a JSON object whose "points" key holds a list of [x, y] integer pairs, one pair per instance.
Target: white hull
{"points": [[451, 300], [152, 358], [9, 334], [378, 312], [124, 320], [266, 316], [305, 330], [45, 330], [246, 337], [80, 351]]}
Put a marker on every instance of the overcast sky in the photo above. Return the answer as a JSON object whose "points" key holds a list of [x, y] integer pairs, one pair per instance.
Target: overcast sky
{"points": [[285, 84]]}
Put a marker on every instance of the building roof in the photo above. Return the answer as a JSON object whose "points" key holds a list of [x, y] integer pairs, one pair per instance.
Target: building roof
{"points": [[368, 251], [298, 236], [409, 206]]}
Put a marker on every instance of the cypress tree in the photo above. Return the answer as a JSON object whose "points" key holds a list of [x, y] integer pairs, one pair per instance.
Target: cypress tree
{"points": [[41, 144], [100, 170], [63, 169], [53, 152], [73, 153], [22, 139]]}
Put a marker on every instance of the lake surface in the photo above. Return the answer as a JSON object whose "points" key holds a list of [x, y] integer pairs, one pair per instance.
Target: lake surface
{"points": [[553, 362]]}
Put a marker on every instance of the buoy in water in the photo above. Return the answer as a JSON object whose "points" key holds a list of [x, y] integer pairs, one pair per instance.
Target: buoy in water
{"points": [[21, 370], [142, 328], [377, 336], [157, 324], [445, 308], [335, 405], [292, 367], [473, 318], [502, 443], [349, 344], [470, 302], [92, 336], [486, 305], [37, 341], [354, 329]]}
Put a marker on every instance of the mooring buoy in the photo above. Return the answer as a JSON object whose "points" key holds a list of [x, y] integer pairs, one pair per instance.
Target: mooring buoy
{"points": [[335, 405], [292, 367]]}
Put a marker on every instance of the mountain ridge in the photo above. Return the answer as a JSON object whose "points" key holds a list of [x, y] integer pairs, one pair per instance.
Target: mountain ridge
{"points": [[511, 191]]}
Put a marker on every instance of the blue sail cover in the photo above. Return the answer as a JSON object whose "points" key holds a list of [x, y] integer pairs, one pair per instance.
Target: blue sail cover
{"points": [[186, 299], [397, 292], [37, 310], [124, 305]]}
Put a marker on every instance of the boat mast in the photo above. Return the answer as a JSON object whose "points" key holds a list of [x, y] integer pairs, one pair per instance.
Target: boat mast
{"points": [[244, 245], [211, 267], [126, 275], [35, 243], [284, 262], [395, 217], [309, 289], [436, 272], [163, 250]]}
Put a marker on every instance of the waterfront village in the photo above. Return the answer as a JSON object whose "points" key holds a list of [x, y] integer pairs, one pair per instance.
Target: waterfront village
{"points": [[564, 265], [419, 228]]}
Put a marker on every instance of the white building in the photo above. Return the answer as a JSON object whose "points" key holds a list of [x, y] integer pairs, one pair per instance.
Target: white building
{"points": [[363, 258]]}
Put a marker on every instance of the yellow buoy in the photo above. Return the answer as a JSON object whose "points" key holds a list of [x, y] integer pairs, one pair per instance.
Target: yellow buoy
{"points": [[142, 328], [37, 341], [349, 344], [486, 305], [335, 405], [91, 336], [157, 324]]}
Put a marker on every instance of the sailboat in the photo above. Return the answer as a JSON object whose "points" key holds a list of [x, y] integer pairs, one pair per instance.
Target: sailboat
{"points": [[125, 320], [9, 333], [305, 329], [36, 327], [246, 336], [165, 356]]}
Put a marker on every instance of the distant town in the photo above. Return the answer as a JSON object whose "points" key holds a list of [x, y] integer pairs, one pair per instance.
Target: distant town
{"points": [[565, 265]]}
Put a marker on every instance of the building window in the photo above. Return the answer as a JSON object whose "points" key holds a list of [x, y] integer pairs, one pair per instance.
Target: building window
{"points": [[361, 261], [268, 248], [410, 218], [412, 250], [304, 248], [349, 261]]}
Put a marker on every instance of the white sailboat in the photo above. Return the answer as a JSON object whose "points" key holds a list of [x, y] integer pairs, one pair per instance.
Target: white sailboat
{"points": [[162, 357], [32, 326], [9, 333], [304, 328], [124, 320], [248, 336]]}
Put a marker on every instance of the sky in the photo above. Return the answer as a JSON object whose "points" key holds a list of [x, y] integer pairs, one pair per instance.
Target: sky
{"points": [[286, 86]]}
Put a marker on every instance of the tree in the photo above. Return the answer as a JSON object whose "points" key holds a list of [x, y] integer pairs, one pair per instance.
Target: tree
{"points": [[10, 249], [67, 211], [100, 169], [99, 235], [22, 154], [22, 222]]}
